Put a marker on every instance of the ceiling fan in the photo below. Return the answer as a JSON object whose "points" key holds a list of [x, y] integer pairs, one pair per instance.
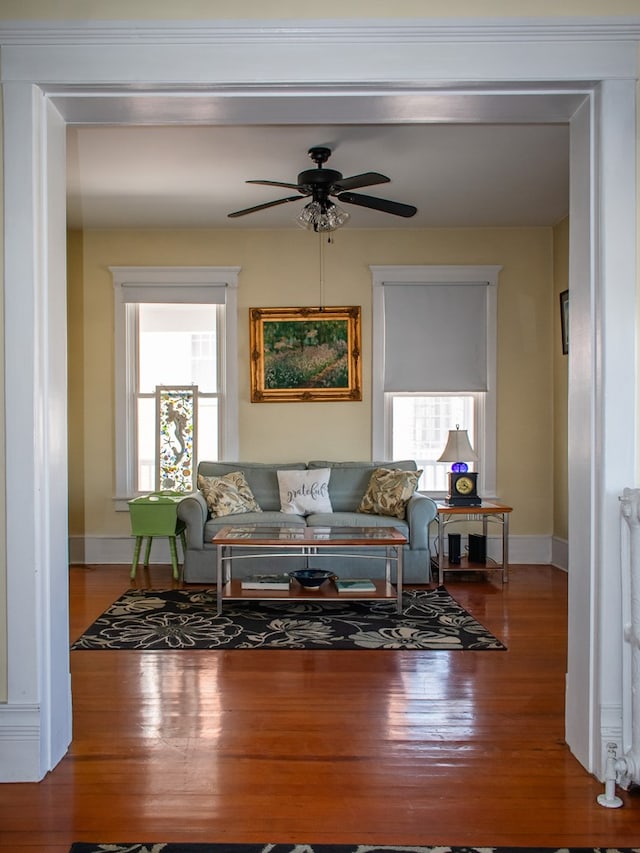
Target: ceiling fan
{"points": [[322, 214]]}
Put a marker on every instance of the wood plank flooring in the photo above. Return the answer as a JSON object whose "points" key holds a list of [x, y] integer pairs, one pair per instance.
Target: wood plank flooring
{"points": [[433, 748]]}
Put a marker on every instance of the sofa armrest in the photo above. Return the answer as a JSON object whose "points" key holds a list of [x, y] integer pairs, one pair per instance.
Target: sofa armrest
{"points": [[194, 511], [421, 510]]}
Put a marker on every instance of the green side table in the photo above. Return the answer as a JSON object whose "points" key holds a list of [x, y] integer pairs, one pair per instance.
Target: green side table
{"points": [[156, 515]]}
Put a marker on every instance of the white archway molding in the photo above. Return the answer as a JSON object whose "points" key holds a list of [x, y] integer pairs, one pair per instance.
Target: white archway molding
{"points": [[89, 72], [202, 53]]}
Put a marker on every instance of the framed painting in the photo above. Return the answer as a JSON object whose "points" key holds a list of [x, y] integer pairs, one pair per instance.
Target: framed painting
{"points": [[564, 320], [305, 354]]}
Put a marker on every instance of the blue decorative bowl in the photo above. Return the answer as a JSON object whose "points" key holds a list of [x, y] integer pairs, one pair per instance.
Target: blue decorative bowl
{"points": [[311, 578]]}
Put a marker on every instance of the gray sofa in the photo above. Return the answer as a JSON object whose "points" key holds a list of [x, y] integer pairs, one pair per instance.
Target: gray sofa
{"points": [[347, 484]]}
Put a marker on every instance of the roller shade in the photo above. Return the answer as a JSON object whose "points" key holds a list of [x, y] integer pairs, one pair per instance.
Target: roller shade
{"points": [[191, 294], [188, 285], [435, 337]]}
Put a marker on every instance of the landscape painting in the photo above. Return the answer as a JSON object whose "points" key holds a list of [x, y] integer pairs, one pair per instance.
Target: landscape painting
{"points": [[305, 354]]}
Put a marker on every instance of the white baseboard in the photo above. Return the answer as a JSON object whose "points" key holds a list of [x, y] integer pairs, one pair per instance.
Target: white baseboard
{"points": [[119, 549], [529, 549], [20, 758], [560, 553], [115, 549]]}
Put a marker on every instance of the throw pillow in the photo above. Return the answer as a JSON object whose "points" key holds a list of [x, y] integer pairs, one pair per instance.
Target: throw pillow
{"points": [[228, 495], [389, 491], [304, 492]]}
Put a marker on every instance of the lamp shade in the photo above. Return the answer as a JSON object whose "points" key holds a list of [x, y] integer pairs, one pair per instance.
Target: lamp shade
{"points": [[458, 448]]}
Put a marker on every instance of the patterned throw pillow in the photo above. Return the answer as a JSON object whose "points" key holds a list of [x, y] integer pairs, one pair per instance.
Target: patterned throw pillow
{"points": [[228, 495], [389, 491], [304, 492]]}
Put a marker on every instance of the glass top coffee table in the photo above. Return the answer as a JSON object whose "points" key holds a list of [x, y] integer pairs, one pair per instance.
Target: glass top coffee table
{"points": [[289, 541]]}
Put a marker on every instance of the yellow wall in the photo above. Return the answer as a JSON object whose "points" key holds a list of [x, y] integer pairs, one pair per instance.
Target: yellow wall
{"points": [[258, 9], [75, 373], [560, 385], [280, 267]]}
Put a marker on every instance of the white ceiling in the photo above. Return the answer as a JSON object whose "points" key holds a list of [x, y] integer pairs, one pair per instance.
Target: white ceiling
{"points": [[185, 176]]}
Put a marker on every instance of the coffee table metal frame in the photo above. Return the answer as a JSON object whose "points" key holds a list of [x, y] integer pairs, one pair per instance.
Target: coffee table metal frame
{"points": [[307, 542]]}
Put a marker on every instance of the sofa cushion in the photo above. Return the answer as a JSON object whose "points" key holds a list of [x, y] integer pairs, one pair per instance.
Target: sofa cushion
{"points": [[260, 519], [228, 495], [349, 480], [356, 519], [389, 491], [304, 492], [261, 477]]}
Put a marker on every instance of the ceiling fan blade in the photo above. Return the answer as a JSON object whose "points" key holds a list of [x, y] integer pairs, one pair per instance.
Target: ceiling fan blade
{"points": [[383, 204], [278, 184], [368, 179], [262, 206]]}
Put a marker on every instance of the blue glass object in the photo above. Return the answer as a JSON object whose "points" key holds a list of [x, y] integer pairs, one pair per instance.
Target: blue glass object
{"points": [[459, 467]]}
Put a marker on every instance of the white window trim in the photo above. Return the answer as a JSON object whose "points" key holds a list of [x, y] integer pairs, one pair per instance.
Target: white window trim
{"points": [[486, 407], [179, 283]]}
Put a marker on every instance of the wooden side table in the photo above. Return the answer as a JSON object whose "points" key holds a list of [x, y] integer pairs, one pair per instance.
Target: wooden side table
{"points": [[487, 512], [156, 515]]}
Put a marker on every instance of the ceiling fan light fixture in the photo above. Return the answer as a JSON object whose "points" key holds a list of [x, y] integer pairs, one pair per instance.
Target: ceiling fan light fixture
{"points": [[319, 217]]}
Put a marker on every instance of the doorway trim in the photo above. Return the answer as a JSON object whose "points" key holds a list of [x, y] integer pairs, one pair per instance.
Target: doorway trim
{"points": [[58, 73]]}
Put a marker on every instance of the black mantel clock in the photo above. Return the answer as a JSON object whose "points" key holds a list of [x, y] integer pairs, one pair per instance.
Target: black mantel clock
{"points": [[463, 489]]}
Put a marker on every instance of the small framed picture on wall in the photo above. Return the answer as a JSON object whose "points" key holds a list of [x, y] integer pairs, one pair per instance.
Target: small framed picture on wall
{"points": [[564, 320]]}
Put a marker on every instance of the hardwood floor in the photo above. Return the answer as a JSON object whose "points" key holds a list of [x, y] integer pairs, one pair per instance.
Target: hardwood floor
{"points": [[433, 748]]}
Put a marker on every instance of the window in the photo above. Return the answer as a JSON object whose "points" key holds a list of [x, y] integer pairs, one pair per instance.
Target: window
{"points": [[434, 366], [419, 428], [176, 346], [175, 326]]}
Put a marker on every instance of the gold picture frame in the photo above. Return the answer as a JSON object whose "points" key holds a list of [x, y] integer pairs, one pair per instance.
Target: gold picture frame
{"points": [[305, 354]]}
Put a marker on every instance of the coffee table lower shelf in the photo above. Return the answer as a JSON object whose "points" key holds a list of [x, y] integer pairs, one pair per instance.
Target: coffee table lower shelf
{"points": [[232, 591]]}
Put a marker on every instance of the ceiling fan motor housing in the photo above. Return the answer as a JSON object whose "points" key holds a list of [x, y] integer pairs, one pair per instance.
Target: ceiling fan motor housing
{"points": [[319, 178]]}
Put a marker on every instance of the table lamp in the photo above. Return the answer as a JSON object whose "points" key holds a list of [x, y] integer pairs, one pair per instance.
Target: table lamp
{"points": [[463, 486]]}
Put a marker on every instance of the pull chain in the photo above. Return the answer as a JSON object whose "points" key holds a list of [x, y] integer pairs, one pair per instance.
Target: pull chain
{"points": [[321, 247], [320, 237]]}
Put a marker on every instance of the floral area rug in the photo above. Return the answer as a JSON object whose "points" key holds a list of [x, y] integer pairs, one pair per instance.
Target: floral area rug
{"points": [[327, 848], [186, 619]]}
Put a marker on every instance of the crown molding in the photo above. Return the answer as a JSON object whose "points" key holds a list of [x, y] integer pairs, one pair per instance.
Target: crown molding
{"points": [[420, 30]]}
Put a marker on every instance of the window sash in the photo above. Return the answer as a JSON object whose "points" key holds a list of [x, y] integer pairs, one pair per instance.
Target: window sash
{"points": [[433, 479], [133, 321]]}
